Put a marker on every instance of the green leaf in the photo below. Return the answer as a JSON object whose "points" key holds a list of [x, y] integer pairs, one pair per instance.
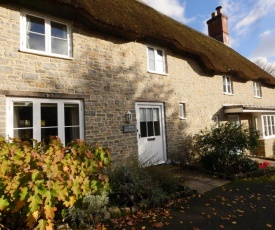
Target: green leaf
{"points": [[42, 224], [35, 202], [3, 203], [35, 174], [23, 193]]}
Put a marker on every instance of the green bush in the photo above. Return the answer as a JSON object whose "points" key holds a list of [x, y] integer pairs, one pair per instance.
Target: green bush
{"points": [[36, 183], [142, 187], [223, 149], [85, 215]]}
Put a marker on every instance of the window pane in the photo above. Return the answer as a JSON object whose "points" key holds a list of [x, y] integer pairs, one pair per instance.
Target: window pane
{"points": [[156, 114], [59, 38], [71, 134], [143, 129], [152, 65], [23, 134], [265, 126], [58, 30], [159, 55], [59, 46], [46, 133], [71, 114], [22, 114], [157, 128], [151, 53], [142, 114], [149, 114], [160, 61], [36, 42], [35, 33], [48, 114], [36, 25], [23, 120], [150, 126]]}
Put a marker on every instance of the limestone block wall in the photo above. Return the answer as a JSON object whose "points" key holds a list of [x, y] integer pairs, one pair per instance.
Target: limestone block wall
{"points": [[112, 74]]}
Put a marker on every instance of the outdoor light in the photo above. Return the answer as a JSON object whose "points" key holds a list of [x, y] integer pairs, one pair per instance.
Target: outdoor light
{"points": [[128, 117]]}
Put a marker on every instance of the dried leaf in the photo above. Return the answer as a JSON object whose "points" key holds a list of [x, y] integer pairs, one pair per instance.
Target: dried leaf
{"points": [[158, 225]]}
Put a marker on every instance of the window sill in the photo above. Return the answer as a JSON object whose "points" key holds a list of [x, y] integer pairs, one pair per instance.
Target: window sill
{"points": [[45, 54], [183, 118], [257, 97], [229, 94], [164, 74]]}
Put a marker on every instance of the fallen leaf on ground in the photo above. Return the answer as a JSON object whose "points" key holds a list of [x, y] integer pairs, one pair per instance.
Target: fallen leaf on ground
{"points": [[158, 225]]}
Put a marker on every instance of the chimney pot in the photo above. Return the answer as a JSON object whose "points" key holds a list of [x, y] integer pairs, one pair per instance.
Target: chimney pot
{"points": [[219, 10], [213, 14]]}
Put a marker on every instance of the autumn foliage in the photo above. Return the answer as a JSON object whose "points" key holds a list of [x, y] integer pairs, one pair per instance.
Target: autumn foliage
{"points": [[36, 182]]}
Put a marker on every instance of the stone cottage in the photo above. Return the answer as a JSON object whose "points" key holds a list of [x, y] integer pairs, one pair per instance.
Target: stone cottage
{"points": [[121, 74]]}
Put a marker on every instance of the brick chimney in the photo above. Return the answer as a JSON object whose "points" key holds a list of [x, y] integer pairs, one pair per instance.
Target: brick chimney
{"points": [[218, 26]]}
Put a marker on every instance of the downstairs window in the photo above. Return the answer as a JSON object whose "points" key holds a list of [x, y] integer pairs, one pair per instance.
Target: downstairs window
{"points": [[33, 118]]}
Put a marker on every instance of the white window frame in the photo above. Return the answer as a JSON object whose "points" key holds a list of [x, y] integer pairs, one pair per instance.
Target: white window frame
{"points": [[48, 20], [157, 61], [37, 116], [182, 111], [227, 85], [217, 121], [257, 89], [268, 122]]}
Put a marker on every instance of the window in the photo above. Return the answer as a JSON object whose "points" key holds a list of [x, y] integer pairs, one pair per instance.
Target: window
{"points": [[227, 85], [45, 35], [182, 114], [156, 60], [40, 118], [149, 122], [234, 119], [257, 89], [269, 125]]}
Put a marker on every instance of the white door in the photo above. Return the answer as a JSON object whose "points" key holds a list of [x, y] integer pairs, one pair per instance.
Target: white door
{"points": [[151, 133]]}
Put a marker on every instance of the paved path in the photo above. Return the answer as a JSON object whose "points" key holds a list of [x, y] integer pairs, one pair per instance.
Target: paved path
{"points": [[204, 183], [201, 181]]}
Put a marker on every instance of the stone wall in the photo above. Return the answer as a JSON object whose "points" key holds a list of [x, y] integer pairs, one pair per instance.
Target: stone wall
{"points": [[113, 73]]}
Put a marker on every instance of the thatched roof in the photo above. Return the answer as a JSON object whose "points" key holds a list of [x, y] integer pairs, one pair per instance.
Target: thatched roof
{"points": [[134, 20]]}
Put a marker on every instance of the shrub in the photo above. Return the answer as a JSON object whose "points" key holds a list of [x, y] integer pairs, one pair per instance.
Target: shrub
{"points": [[88, 213], [142, 187], [38, 182], [186, 153], [223, 149]]}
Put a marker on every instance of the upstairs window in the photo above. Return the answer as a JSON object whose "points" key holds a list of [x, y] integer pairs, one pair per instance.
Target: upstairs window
{"points": [[156, 60], [227, 85], [45, 35], [257, 89]]}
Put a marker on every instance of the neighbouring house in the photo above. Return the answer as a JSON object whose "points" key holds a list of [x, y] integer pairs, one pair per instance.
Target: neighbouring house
{"points": [[119, 73]]}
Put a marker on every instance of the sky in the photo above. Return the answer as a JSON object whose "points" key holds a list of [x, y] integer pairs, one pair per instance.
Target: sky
{"points": [[251, 22]]}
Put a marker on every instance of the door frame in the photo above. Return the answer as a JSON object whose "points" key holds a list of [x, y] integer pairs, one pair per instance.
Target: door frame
{"points": [[162, 124]]}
